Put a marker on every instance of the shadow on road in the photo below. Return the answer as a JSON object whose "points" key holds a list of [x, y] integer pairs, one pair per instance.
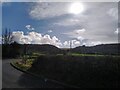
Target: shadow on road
{"points": [[29, 81]]}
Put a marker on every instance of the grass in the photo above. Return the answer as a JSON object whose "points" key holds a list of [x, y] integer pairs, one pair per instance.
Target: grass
{"points": [[37, 54], [26, 62], [22, 65], [77, 54], [82, 70], [96, 55], [79, 70]]}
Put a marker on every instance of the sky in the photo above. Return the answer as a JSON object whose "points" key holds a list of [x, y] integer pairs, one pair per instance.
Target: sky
{"points": [[55, 23]]}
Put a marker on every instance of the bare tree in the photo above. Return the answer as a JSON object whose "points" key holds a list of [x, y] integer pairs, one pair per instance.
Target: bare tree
{"points": [[9, 47], [7, 38]]}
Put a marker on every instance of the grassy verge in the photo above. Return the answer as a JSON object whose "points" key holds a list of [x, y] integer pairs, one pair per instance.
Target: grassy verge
{"points": [[22, 65], [26, 62]]}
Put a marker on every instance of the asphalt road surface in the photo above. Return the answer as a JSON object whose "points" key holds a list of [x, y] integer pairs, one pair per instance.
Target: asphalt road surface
{"points": [[12, 78]]}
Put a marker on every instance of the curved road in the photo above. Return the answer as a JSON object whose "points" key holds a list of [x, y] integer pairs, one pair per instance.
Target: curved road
{"points": [[12, 78]]}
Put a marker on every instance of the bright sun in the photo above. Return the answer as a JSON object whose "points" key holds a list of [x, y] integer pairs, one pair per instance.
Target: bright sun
{"points": [[76, 8]]}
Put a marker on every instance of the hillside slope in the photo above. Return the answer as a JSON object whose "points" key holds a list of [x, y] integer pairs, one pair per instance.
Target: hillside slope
{"points": [[99, 49]]}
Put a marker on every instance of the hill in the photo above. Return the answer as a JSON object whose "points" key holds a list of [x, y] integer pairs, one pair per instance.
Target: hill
{"points": [[15, 50], [44, 48], [106, 49]]}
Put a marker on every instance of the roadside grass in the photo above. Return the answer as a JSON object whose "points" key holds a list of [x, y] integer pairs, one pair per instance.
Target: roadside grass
{"points": [[26, 62], [22, 65]]}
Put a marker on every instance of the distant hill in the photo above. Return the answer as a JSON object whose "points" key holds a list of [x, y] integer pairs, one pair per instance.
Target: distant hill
{"points": [[44, 48], [15, 49], [107, 49]]}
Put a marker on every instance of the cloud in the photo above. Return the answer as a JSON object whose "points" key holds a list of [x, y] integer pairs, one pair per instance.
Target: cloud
{"points": [[79, 31], [73, 43], [5, 0], [117, 31], [99, 19], [1, 1], [95, 43], [35, 38], [68, 22], [66, 43], [29, 27], [50, 31], [20, 0], [113, 12], [42, 10], [89, 42], [75, 33], [96, 23], [80, 38]]}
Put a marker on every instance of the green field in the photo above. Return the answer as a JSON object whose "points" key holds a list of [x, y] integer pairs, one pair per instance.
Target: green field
{"points": [[81, 70]]}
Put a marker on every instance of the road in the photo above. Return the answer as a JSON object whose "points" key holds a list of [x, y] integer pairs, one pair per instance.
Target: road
{"points": [[12, 78]]}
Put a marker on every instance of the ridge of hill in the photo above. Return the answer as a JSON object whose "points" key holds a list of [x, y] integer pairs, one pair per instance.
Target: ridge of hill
{"points": [[44, 48], [98, 49], [13, 50]]}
